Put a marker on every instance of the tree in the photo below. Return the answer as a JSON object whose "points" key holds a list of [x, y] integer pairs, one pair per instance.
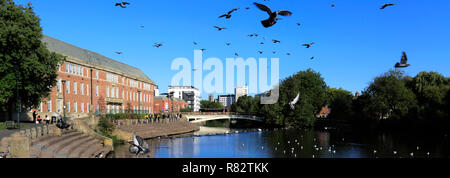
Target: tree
{"points": [[387, 97], [431, 89], [23, 57], [340, 102], [205, 104]]}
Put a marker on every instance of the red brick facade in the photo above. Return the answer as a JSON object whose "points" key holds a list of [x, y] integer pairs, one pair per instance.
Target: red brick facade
{"points": [[161, 103], [80, 87]]}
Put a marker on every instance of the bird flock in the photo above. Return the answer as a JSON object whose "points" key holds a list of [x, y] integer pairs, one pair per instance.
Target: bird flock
{"points": [[266, 23]]}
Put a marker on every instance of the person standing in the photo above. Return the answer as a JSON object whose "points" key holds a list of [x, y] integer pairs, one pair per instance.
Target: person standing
{"points": [[38, 119], [34, 115], [47, 119]]}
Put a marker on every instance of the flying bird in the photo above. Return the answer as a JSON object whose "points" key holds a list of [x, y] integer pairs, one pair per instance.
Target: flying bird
{"points": [[288, 54], [308, 45], [236, 54], [203, 49], [118, 52], [195, 43], [333, 5], [403, 63], [220, 28], [122, 4], [274, 52], [292, 103], [261, 43], [247, 8], [142, 26], [312, 58], [260, 52], [254, 34], [272, 20], [298, 24], [228, 44], [139, 146], [276, 41], [228, 15], [387, 5], [158, 45]]}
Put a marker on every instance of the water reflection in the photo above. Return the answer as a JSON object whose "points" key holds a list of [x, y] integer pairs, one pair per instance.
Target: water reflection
{"points": [[295, 144]]}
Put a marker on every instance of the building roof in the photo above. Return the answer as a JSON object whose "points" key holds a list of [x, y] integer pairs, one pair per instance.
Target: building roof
{"points": [[93, 58]]}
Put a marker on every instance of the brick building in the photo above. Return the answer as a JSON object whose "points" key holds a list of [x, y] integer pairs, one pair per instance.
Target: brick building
{"points": [[164, 104], [89, 82]]}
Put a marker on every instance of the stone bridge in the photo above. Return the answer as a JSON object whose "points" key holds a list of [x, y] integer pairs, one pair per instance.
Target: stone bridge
{"points": [[197, 118]]}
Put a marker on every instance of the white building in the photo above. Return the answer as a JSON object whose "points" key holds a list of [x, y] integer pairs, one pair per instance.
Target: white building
{"points": [[226, 100], [240, 91], [189, 94]]}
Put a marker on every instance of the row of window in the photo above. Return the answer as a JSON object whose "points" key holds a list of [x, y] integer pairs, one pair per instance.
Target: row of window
{"points": [[113, 92], [84, 107], [121, 109]]}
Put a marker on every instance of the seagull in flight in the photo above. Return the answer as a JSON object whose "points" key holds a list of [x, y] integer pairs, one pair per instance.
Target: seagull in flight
{"points": [[292, 103], [403, 63], [272, 20], [220, 28], [122, 4], [228, 15], [387, 5]]}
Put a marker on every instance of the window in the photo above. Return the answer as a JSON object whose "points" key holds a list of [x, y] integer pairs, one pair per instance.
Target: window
{"points": [[96, 74], [97, 108], [68, 87], [87, 90], [70, 68], [96, 90], [107, 91], [68, 106], [82, 107], [117, 92], [74, 87], [75, 107], [67, 67], [49, 106], [58, 85], [88, 109], [82, 71], [82, 88], [58, 106], [123, 94], [112, 92]]}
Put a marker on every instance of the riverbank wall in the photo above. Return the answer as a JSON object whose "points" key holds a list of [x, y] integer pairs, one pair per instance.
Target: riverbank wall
{"points": [[149, 130]]}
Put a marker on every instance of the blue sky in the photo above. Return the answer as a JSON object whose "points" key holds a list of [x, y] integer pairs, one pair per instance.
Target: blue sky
{"points": [[355, 41]]}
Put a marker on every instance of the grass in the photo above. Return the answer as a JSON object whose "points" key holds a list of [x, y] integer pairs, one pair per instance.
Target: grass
{"points": [[3, 126]]}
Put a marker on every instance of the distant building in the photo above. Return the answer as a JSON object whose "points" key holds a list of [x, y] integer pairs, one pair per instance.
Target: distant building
{"points": [[164, 104], [156, 90], [189, 94], [211, 98], [227, 100], [324, 112], [240, 91]]}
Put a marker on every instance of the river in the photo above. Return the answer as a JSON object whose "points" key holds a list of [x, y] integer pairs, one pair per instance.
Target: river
{"points": [[211, 142]]}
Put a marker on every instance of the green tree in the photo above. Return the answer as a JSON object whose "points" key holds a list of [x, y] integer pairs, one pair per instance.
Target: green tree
{"points": [[205, 104], [431, 89], [388, 97], [24, 57], [340, 102]]}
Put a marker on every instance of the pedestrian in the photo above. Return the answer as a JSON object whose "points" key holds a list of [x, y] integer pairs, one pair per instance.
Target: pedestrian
{"points": [[34, 115], [47, 119], [38, 119]]}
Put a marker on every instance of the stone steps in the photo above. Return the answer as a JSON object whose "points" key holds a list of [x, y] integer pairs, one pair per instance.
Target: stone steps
{"points": [[71, 144]]}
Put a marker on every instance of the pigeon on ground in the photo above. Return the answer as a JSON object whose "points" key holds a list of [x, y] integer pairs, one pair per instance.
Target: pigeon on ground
{"points": [[139, 146], [272, 20], [220, 28], [122, 4], [403, 63], [228, 15], [387, 5]]}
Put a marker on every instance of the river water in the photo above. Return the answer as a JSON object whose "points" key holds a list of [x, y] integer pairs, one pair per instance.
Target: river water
{"points": [[211, 142]]}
